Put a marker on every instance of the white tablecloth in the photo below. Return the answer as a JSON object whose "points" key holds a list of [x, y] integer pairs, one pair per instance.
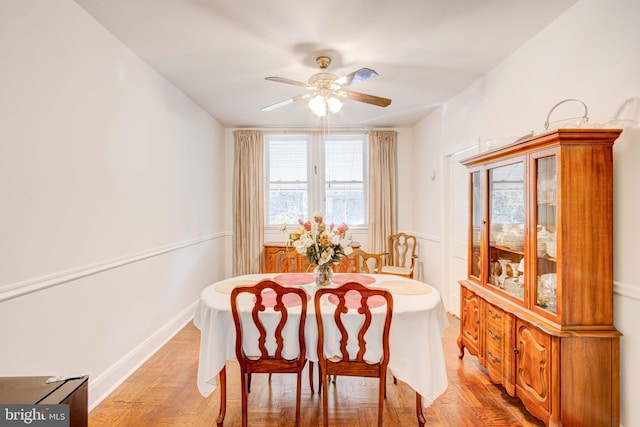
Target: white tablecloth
{"points": [[419, 319]]}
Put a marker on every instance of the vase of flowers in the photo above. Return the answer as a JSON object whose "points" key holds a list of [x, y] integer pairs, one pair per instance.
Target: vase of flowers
{"points": [[321, 244], [322, 275]]}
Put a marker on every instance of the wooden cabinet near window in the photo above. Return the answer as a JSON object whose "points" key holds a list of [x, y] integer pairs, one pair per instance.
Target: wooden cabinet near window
{"points": [[271, 251], [537, 305]]}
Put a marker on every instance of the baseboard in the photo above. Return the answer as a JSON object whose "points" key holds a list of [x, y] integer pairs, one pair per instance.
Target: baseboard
{"points": [[104, 384]]}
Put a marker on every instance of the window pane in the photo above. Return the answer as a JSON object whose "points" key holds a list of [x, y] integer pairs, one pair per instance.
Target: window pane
{"points": [[288, 202], [314, 172], [288, 161], [345, 203], [288, 192], [343, 160], [344, 180]]}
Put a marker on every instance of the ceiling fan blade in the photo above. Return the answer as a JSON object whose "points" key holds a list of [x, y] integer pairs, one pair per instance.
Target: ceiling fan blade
{"points": [[287, 81], [363, 97], [356, 77], [286, 102]]}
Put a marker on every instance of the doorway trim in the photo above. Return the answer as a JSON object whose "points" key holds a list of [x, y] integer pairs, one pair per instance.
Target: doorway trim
{"points": [[451, 292]]}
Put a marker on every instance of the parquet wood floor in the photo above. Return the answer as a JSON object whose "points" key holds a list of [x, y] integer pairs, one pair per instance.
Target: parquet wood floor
{"points": [[163, 392]]}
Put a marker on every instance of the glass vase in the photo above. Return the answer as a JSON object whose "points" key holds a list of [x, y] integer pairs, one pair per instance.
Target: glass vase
{"points": [[322, 275]]}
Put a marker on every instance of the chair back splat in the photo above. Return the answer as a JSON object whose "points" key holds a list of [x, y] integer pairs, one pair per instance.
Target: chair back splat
{"points": [[367, 359], [273, 307], [364, 262]]}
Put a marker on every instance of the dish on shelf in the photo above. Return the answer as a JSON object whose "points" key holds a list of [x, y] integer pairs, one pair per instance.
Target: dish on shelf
{"points": [[550, 247], [514, 287]]}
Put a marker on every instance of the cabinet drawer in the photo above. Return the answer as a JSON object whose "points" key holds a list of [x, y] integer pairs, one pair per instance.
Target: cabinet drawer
{"points": [[494, 359], [494, 335], [494, 316], [494, 339]]}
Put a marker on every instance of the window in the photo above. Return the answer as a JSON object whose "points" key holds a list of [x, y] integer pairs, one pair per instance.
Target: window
{"points": [[315, 172]]}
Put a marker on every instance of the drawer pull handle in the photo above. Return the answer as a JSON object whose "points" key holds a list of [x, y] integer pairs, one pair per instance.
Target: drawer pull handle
{"points": [[493, 358], [493, 335], [494, 315]]}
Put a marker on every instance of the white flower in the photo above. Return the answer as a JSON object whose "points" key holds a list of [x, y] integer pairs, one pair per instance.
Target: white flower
{"points": [[303, 243], [326, 256], [335, 239]]}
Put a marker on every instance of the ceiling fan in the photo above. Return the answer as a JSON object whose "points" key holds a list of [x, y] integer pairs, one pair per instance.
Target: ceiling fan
{"points": [[325, 89]]}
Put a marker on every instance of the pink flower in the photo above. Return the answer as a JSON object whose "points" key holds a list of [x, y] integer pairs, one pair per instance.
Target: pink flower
{"points": [[342, 228], [317, 217], [307, 225]]}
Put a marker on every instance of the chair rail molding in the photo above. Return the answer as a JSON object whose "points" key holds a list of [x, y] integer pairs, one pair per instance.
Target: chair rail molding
{"points": [[626, 290], [422, 236], [14, 290]]}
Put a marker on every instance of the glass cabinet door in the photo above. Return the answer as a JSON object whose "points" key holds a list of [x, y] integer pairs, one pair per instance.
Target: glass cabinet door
{"points": [[476, 225], [506, 228], [546, 214]]}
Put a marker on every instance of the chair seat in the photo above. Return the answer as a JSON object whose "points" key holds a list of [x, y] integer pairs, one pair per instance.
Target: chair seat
{"points": [[391, 269], [337, 359]]}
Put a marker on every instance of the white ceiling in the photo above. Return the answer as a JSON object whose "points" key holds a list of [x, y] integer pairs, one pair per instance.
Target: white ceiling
{"points": [[218, 52]]}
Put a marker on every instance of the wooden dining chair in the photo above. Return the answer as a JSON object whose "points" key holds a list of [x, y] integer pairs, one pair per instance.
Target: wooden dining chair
{"points": [[364, 262], [400, 258], [265, 361], [344, 363], [344, 266]]}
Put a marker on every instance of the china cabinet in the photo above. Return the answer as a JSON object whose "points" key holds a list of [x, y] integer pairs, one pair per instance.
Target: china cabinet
{"points": [[537, 305]]}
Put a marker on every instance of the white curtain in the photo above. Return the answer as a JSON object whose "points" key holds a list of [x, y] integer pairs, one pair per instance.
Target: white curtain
{"points": [[248, 200], [383, 217]]}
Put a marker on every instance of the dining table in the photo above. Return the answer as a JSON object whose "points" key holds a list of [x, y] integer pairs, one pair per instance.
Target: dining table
{"points": [[415, 336]]}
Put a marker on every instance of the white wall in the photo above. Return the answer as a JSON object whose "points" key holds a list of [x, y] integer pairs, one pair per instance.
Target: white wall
{"points": [[589, 53], [111, 221], [427, 194]]}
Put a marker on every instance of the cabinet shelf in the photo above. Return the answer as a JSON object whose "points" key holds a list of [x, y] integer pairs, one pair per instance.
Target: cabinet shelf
{"points": [[508, 249]]}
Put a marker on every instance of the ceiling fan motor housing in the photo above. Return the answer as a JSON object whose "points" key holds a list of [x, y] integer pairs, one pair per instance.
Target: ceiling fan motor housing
{"points": [[323, 81]]}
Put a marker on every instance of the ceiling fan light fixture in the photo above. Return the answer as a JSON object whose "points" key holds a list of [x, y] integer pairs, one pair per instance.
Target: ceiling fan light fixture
{"points": [[318, 106], [334, 104]]}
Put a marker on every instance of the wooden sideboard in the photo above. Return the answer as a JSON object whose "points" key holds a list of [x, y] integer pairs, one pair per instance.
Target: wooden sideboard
{"points": [[272, 249]]}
